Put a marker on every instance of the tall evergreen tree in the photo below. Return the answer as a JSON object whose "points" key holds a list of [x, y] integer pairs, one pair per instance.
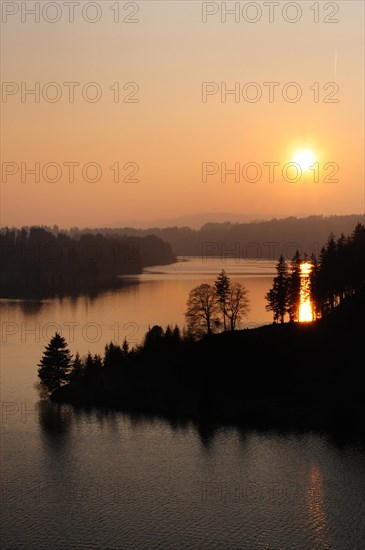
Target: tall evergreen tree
{"points": [[55, 365], [328, 274], [77, 370], [113, 356], [277, 297], [89, 365], [125, 347], [176, 335], [98, 362], [222, 285]]}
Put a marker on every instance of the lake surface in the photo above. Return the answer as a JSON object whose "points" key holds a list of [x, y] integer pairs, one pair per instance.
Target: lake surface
{"points": [[92, 479]]}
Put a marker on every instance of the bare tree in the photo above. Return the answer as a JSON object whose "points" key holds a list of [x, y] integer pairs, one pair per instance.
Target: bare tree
{"points": [[237, 304], [202, 310]]}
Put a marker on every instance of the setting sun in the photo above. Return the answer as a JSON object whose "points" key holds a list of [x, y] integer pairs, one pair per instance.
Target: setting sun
{"points": [[305, 158]]}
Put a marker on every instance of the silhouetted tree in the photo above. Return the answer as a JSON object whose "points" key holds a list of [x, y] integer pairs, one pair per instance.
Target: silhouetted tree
{"points": [[176, 334], [277, 297], [328, 274], [153, 338], [125, 347], [168, 333], [356, 246], [77, 370], [89, 365], [113, 355], [236, 304], [222, 287], [202, 310], [98, 362], [55, 365]]}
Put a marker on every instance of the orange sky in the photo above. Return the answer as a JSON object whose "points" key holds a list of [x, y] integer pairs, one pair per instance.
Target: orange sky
{"points": [[170, 132]]}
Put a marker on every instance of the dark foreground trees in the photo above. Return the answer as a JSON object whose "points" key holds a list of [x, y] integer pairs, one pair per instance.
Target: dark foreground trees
{"points": [[55, 365]]}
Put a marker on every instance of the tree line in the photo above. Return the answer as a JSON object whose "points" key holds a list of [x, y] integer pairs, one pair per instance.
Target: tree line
{"points": [[337, 273], [37, 260], [255, 239], [58, 367]]}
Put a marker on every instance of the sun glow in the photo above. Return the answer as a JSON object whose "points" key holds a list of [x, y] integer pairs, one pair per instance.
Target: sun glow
{"points": [[305, 304], [304, 158]]}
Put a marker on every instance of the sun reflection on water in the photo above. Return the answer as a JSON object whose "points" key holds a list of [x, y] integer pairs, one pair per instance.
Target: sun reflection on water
{"points": [[305, 304], [316, 508]]}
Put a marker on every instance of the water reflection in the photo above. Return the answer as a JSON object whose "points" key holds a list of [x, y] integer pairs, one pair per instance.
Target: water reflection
{"points": [[316, 508], [206, 432], [58, 419], [55, 419]]}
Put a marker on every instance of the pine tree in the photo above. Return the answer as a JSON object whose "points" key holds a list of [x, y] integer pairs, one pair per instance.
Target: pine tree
{"points": [[176, 334], [277, 297], [222, 284], [98, 362], [55, 365], [89, 364], [113, 356], [77, 368], [125, 347], [168, 333]]}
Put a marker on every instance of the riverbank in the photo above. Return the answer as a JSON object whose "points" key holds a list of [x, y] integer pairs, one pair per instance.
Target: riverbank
{"points": [[302, 376]]}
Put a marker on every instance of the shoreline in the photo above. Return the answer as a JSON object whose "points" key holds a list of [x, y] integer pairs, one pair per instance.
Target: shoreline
{"points": [[296, 376]]}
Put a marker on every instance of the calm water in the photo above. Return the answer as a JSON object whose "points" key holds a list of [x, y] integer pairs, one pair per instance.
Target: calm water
{"points": [[96, 480]]}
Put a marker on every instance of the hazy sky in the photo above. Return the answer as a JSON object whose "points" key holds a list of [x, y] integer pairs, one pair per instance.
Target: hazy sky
{"points": [[169, 133]]}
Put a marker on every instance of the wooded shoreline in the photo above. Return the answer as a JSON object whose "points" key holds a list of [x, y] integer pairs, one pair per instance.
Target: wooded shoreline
{"points": [[282, 376]]}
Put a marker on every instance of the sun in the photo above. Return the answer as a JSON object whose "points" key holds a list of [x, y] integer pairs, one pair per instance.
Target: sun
{"points": [[304, 158]]}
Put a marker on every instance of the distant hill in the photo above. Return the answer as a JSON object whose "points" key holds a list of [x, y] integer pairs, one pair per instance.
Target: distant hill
{"points": [[260, 239], [196, 221]]}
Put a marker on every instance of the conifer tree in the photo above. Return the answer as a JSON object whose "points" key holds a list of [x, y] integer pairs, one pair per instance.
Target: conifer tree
{"points": [[277, 297], [55, 365], [222, 284]]}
